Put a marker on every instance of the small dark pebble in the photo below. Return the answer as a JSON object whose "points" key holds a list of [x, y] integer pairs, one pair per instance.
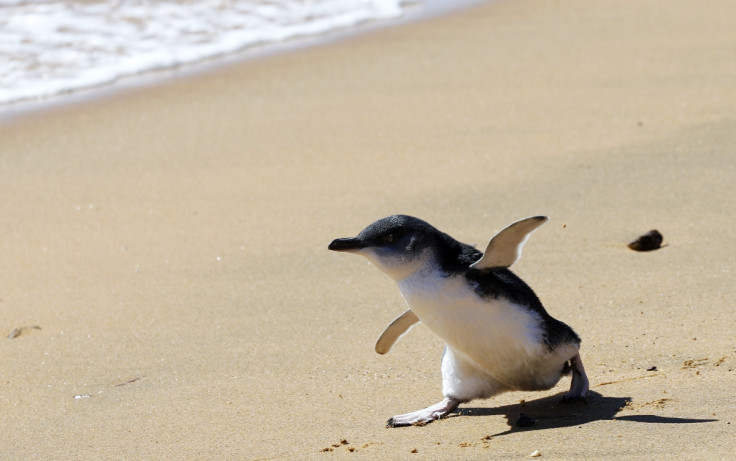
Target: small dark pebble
{"points": [[652, 369], [652, 240], [525, 421]]}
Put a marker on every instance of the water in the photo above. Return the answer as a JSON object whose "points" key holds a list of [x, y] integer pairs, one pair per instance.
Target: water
{"points": [[52, 47]]}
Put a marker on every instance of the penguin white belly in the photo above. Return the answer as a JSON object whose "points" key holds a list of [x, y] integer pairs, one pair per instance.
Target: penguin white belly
{"points": [[502, 340]]}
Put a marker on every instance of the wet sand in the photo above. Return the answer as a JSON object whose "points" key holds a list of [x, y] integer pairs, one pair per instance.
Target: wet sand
{"points": [[170, 241]]}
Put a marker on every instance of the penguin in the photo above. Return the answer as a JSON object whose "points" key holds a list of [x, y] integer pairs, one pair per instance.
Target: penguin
{"points": [[498, 336]]}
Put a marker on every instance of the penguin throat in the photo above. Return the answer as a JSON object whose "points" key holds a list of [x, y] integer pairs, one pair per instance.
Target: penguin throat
{"points": [[400, 268]]}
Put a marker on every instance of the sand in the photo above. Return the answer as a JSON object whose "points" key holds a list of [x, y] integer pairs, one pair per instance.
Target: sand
{"points": [[170, 241]]}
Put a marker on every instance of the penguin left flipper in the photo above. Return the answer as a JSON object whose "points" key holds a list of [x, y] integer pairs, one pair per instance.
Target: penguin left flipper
{"points": [[505, 247], [395, 330]]}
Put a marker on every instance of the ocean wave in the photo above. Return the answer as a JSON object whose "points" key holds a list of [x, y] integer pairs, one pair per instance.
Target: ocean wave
{"points": [[53, 47]]}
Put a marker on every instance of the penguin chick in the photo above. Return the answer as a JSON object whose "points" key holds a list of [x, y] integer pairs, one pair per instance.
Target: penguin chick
{"points": [[498, 335]]}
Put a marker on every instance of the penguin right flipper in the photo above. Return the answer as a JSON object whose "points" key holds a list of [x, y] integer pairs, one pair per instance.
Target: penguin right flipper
{"points": [[505, 247], [395, 330]]}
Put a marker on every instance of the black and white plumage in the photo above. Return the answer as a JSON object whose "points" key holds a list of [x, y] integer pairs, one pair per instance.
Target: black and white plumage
{"points": [[498, 335]]}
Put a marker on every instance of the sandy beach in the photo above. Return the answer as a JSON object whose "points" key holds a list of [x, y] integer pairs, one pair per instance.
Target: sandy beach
{"points": [[163, 253]]}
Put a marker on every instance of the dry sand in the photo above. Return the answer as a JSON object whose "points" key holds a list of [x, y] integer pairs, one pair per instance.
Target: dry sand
{"points": [[170, 242]]}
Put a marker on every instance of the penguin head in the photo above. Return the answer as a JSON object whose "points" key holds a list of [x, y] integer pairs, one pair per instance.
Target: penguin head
{"points": [[398, 245]]}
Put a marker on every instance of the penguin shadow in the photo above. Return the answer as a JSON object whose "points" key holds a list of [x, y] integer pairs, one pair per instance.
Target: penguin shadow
{"points": [[552, 412]]}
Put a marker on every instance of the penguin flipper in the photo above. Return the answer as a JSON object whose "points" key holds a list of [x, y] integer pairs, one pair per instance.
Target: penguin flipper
{"points": [[395, 330], [505, 247]]}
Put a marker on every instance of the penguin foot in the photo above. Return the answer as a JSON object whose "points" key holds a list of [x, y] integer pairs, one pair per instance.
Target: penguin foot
{"points": [[427, 415], [566, 399], [579, 385]]}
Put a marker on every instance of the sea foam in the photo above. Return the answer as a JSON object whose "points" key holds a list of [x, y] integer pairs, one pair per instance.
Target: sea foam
{"points": [[53, 47]]}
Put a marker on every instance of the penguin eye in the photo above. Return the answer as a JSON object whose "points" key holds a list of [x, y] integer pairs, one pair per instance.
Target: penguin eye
{"points": [[389, 238]]}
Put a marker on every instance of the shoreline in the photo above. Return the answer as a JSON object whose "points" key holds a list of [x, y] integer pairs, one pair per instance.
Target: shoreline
{"points": [[412, 13]]}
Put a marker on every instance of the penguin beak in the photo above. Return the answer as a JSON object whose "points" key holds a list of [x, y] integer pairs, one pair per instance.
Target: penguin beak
{"points": [[346, 244]]}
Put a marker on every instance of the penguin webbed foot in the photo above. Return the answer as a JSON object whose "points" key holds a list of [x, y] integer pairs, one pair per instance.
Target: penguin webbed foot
{"points": [[579, 384], [425, 416], [567, 399]]}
